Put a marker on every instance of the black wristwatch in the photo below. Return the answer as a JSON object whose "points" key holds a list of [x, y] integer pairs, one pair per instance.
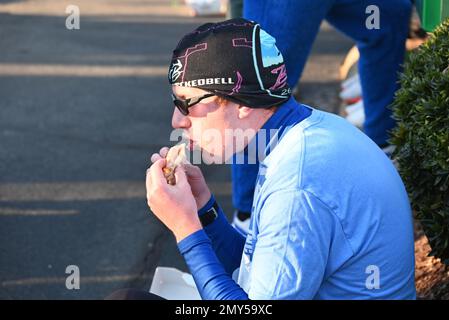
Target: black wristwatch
{"points": [[210, 215]]}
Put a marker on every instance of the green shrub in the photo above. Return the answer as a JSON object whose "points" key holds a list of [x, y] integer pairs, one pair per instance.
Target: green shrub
{"points": [[421, 108]]}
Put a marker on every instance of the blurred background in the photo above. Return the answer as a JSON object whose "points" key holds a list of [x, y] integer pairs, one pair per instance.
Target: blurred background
{"points": [[81, 111]]}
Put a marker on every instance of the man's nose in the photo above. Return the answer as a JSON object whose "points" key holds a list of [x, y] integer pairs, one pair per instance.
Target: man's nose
{"points": [[180, 121]]}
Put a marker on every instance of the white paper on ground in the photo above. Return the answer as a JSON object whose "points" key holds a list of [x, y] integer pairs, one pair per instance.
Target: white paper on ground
{"points": [[173, 284]]}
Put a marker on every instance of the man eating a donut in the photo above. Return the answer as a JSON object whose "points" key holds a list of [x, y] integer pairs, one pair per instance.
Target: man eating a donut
{"points": [[330, 219]]}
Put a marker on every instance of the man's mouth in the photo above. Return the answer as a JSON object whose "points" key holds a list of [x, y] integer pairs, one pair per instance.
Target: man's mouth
{"points": [[191, 144], [188, 141]]}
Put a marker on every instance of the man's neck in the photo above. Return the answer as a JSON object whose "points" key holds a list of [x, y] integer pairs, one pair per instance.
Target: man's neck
{"points": [[264, 116]]}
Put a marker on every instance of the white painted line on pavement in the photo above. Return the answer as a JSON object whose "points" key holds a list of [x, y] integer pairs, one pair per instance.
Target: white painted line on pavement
{"points": [[61, 280], [76, 70], [85, 191], [36, 212]]}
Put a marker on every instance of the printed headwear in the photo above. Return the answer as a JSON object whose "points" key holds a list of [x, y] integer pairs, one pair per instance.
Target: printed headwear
{"points": [[234, 59]]}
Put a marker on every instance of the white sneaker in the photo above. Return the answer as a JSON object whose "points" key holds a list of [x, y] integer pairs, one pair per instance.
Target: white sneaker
{"points": [[350, 81], [388, 150], [356, 114], [242, 226], [351, 91]]}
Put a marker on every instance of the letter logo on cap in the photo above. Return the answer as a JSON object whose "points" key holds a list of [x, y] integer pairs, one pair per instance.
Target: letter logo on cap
{"points": [[175, 71]]}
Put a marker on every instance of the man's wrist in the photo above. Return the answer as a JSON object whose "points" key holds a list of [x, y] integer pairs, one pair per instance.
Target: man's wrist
{"points": [[207, 206], [186, 231], [204, 198]]}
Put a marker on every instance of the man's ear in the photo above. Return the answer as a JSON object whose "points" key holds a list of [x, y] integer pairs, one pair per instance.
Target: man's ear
{"points": [[244, 111]]}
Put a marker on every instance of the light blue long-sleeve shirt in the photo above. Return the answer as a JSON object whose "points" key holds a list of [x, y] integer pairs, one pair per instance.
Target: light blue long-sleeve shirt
{"points": [[330, 220]]}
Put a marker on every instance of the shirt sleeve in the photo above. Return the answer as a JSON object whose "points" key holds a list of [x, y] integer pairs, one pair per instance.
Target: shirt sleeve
{"points": [[227, 243], [292, 246], [211, 279]]}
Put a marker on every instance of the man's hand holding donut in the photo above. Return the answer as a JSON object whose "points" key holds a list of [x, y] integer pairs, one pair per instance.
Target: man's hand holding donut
{"points": [[176, 205]]}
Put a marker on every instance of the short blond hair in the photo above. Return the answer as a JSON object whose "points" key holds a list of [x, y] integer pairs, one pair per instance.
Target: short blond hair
{"points": [[223, 101]]}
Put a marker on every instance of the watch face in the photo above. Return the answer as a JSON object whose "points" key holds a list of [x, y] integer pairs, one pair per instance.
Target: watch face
{"points": [[209, 216], [214, 213]]}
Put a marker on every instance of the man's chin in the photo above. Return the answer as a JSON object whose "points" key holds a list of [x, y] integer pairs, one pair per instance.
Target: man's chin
{"points": [[212, 157]]}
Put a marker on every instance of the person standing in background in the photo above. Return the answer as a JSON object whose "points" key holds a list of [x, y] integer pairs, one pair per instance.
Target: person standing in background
{"points": [[295, 24]]}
